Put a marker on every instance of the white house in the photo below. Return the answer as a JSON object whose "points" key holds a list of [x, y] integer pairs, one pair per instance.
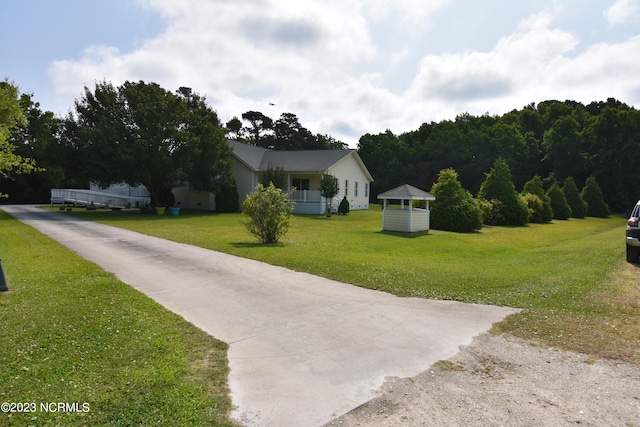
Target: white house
{"points": [[303, 169]]}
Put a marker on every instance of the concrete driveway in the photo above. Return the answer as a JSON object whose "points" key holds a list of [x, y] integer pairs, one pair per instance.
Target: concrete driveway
{"points": [[302, 349]]}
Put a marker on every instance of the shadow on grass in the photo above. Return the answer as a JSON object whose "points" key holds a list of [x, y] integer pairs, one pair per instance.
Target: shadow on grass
{"points": [[243, 245], [404, 235]]}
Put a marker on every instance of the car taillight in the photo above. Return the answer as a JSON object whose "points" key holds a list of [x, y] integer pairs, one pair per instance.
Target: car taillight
{"points": [[633, 222]]}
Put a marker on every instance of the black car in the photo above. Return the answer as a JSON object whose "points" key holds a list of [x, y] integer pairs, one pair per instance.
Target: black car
{"points": [[633, 234]]}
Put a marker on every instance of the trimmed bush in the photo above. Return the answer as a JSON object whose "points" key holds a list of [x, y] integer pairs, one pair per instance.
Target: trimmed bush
{"points": [[344, 207], [454, 208], [499, 186], [561, 209], [574, 199], [592, 194]]}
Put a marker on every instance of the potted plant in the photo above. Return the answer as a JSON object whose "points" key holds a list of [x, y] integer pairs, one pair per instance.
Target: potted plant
{"points": [[175, 210]]}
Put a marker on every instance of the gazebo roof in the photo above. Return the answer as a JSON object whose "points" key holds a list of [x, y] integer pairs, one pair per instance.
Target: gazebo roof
{"points": [[406, 192]]}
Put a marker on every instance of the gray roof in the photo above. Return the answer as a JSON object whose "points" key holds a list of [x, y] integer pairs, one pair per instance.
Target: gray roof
{"points": [[248, 154], [304, 160], [406, 192], [259, 159]]}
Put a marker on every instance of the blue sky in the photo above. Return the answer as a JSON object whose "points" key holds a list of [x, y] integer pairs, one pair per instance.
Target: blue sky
{"points": [[344, 68]]}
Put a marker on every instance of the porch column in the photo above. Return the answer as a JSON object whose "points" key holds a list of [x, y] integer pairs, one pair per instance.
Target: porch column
{"points": [[410, 216]]}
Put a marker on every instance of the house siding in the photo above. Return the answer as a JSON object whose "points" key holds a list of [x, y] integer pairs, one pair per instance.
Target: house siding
{"points": [[250, 162], [246, 180], [348, 169]]}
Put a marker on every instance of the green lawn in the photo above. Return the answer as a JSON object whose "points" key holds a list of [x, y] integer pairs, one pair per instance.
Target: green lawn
{"points": [[570, 277], [72, 333]]}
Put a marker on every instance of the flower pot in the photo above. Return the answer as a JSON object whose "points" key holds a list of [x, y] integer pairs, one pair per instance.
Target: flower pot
{"points": [[160, 211], [175, 211]]}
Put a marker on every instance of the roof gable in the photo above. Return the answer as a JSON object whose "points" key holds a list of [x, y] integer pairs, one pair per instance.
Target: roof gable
{"points": [[248, 154]]}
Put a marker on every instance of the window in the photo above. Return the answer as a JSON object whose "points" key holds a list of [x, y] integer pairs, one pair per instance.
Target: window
{"points": [[300, 183], [366, 189], [346, 187], [355, 189]]}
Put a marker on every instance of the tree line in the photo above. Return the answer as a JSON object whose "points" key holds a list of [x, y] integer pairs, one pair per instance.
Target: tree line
{"points": [[554, 140], [141, 133]]}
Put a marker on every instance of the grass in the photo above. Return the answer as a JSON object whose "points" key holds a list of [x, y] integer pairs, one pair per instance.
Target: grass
{"points": [[72, 333], [569, 277]]}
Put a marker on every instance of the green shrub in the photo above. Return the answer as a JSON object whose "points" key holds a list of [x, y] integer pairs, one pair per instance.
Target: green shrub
{"points": [[542, 213], [574, 199], [498, 185], [561, 209], [592, 194], [536, 207], [344, 207], [227, 199], [492, 211], [269, 211], [454, 208]]}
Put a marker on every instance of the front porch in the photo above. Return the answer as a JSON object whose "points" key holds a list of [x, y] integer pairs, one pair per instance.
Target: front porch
{"points": [[311, 202]]}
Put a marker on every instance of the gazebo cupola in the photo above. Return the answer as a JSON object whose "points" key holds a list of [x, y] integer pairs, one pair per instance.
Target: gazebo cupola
{"points": [[405, 217]]}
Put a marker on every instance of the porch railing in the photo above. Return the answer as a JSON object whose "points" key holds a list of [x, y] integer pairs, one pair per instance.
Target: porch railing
{"points": [[98, 198], [306, 196]]}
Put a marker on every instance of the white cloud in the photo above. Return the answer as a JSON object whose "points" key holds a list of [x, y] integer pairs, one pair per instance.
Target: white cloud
{"points": [[623, 11], [313, 59]]}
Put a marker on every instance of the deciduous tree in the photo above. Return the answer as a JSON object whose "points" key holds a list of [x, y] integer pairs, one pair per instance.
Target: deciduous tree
{"points": [[11, 118], [328, 188], [140, 133]]}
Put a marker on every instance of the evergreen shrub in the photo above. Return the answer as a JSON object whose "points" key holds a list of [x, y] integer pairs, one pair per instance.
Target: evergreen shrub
{"points": [[542, 213], [574, 199], [592, 194], [227, 199], [499, 186], [344, 207], [561, 209], [454, 209]]}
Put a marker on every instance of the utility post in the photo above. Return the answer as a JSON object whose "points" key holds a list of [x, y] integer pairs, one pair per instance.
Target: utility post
{"points": [[3, 281]]}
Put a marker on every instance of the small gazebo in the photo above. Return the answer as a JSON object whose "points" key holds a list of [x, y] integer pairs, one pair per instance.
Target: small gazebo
{"points": [[405, 217]]}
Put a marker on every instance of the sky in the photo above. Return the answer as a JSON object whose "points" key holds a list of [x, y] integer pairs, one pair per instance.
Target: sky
{"points": [[344, 67]]}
